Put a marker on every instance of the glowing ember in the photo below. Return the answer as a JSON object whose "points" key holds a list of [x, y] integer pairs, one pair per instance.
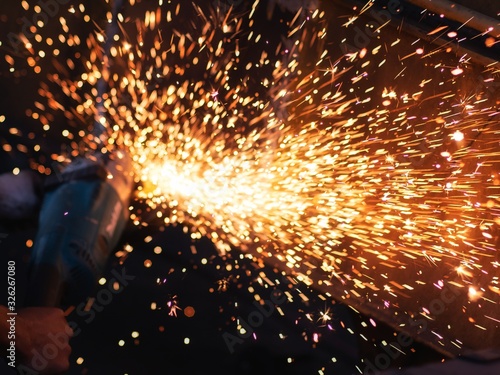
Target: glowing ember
{"points": [[458, 136]]}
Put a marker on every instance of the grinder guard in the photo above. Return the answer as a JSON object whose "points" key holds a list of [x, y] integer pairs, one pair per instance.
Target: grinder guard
{"points": [[82, 218]]}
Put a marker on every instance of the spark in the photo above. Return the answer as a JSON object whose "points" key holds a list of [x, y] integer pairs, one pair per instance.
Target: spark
{"points": [[474, 294], [173, 306], [223, 284], [325, 316], [289, 160]]}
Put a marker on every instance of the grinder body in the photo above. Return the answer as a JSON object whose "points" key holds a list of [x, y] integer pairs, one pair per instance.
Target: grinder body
{"points": [[83, 215]]}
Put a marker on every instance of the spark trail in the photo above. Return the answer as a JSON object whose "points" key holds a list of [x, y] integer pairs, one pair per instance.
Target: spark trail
{"points": [[257, 146]]}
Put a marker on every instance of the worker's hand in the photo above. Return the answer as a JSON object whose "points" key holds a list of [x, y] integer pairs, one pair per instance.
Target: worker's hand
{"points": [[43, 339]]}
